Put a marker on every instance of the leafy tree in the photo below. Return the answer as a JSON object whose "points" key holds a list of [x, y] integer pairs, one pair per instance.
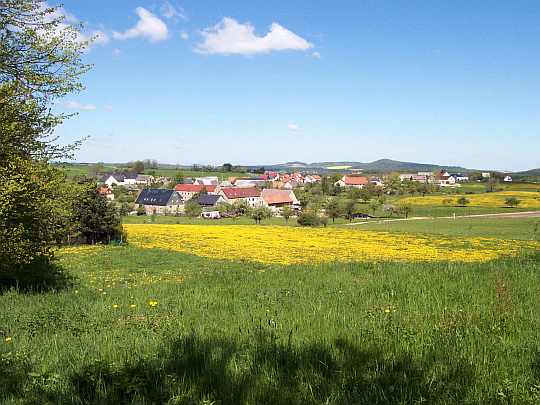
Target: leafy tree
{"points": [[260, 213], [40, 62], [333, 208], [225, 209], [308, 218], [240, 207], [405, 210], [137, 166], [179, 177], [512, 202], [141, 211], [96, 220], [349, 209], [286, 213], [227, 167], [462, 201], [374, 205], [192, 208]]}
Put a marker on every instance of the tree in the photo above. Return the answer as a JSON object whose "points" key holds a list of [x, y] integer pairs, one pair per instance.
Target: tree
{"points": [[260, 213], [308, 218], [179, 177], [137, 166], [374, 205], [225, 209], [333, 209], [96, 219], [40, 62], [286, 213], [192, 208], [349, 209], [227, 167], [405, 210], [512, 202], [462, 201]]}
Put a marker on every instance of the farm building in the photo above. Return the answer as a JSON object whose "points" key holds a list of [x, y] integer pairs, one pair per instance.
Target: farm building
{"points": [[277, 199], [209, 200], [251, 195], [160, 201], [352, 181]]}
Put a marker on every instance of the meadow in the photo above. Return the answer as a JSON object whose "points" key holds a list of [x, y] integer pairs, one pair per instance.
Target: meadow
{"points": [[528, 199], [145, 324]]}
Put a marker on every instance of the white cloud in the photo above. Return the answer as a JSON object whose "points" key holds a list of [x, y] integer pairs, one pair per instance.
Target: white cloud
{"points": [[100, 38], [171, 12], [184, 35], [149, 26], [230, 37], [293, 127], [75, 105], [316, 55]]}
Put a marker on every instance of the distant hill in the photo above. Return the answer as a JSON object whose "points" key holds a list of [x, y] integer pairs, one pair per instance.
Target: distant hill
{"points": [[381, 165]]}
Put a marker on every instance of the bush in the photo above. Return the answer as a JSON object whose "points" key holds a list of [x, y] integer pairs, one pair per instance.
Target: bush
{"points": [[309, 218], [512, 202]]}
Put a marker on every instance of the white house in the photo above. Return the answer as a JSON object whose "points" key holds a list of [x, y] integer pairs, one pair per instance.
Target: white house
{"points": [[120, 179], [160, 201], [207, 181], [459, 177], [251, 195], [443, 179], [187, 191], [507, 178]]}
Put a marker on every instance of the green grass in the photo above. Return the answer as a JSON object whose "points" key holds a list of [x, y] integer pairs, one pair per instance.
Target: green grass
{"points": [[503, 228], [230, 333]]}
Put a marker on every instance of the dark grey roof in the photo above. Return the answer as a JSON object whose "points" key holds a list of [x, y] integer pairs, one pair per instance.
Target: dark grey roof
{"points": [[155, 196], [208, 200]]}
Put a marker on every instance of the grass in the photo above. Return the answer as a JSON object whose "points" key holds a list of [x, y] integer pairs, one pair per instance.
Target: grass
{"points": [[503, 228], [152, 326]]}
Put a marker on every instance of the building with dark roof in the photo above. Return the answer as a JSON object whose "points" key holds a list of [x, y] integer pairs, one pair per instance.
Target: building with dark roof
{"points": [[209, 200], [160, 201]]}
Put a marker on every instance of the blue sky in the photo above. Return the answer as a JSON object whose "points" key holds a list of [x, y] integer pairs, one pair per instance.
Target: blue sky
{"points": [[261, 82]]}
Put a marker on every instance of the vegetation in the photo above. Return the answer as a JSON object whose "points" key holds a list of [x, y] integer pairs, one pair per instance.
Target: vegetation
{"points": [[512, 202], [192, 208]]}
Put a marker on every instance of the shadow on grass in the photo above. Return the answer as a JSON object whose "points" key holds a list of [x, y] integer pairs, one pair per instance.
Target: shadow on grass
{"points": [[221, 371], [37, 278]]}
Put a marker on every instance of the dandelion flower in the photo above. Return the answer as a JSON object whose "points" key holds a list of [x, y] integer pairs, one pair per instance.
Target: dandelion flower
{"points": [[7, 339], [152, 303], [132, 306], [115, 306]]}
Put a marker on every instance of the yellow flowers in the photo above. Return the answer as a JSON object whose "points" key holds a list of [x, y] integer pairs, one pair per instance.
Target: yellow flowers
{"points": [[115, 306], [8, 339], [528, 199], [133, 306], [152, 303], [291, 245]]}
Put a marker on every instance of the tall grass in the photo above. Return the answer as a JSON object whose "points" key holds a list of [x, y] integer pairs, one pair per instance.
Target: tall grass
{"points": [[150, 326]]}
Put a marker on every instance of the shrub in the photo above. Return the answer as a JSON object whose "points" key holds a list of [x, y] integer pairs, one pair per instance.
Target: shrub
{"points": [[512, 202], [308, 218], [463, 201]]}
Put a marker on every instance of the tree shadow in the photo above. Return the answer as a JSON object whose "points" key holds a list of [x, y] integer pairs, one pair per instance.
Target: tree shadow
{"points": [[35, 279], [263, 371]]}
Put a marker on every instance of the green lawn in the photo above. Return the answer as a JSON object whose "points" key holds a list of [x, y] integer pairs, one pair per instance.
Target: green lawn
{"points": [[229, 333], [503, 228]]}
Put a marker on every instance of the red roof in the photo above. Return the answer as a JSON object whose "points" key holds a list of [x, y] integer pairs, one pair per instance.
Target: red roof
{"points": [[194, 188], [241, 192], [355, 180], [105, 190], [273, 196]]}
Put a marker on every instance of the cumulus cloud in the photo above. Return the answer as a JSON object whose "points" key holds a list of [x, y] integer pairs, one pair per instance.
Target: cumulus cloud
{"points": [[149, 26], [316, 55], [293, 127], [75, 105], [172, 12], [230, 37], [184, 35]]}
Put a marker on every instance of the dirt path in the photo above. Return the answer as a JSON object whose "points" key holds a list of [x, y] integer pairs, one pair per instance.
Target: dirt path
{"points": [[523, 214]]}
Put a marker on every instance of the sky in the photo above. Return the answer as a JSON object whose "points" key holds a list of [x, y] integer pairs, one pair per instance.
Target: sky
{"points": [[270, 81]]}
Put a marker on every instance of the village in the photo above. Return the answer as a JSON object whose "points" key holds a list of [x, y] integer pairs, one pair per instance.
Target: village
{"points": [[273, 190]]}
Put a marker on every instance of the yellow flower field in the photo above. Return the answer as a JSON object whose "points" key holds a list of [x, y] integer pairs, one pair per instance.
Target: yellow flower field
{"points": [[528, 199], [291, 245]]}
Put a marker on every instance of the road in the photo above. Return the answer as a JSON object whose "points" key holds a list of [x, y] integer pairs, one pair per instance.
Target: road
{"points": [[523, 214]]}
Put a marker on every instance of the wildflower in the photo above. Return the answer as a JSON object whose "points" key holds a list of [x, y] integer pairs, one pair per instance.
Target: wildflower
{"points": [[7, 339], [387, 310], [152, 303], [115, 306]]}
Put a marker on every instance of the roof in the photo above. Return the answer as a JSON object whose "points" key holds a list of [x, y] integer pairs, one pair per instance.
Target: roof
{"points": [[194, 188], [273, 196], [104, 190], [155, 196], [208, 200], [241, 192], [355, 180]]}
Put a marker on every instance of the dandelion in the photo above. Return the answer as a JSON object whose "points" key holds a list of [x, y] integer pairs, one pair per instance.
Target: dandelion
{"points": [[387, 310], [7, 339], [152, 303], [115, 306], [133, 306]]}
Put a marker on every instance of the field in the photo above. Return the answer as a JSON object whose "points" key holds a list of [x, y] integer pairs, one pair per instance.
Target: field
{"points": [[527, 199], [217, 315]]}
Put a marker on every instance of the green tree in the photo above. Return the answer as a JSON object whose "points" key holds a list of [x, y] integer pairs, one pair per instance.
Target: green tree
{"points": [[308, 218], [512, 202], [260, 213], [227, 167], [179, 177], [286, 213], [405, 210], [462, 201], [374, 206], [349, 209], [333, 208], [40, 62], [192, 208], [97, 221], [137, 166]]}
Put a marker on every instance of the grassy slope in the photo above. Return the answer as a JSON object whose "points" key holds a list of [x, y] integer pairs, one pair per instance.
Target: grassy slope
{"points": [[504, 228], [248, 333]]}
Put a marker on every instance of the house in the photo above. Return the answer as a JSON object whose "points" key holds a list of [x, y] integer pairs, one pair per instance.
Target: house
{"points": [[276, 199], [251, 182], [160, 201], [213, 214], [486, 175], [507, 178], [376, 181], [144, 179], [312, 178], [187, 191], [209, 200], [460, 177], [207, 181], [106, 192], [421, 178], [251, 195], [352, 181], [443, 179], [120, 179]]}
